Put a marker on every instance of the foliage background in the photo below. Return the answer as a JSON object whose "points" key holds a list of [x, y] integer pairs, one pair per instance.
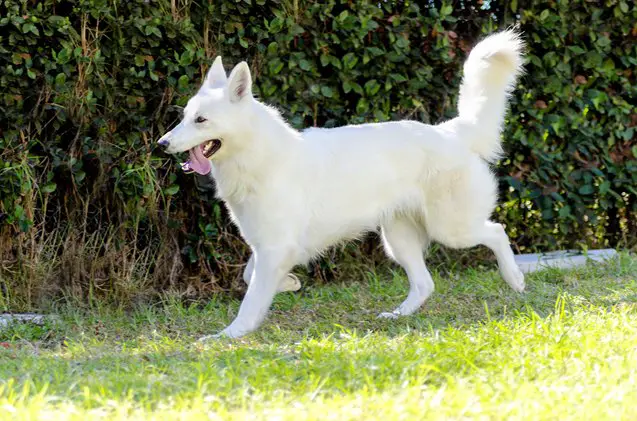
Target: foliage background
{"points": [[90, 209]]}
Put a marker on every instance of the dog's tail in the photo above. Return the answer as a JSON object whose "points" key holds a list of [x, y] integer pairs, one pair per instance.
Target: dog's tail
{"points": [[490, 73]]}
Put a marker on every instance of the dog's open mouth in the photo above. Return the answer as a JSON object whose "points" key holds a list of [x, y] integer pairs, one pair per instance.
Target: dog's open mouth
{"points": [[199, 161]]}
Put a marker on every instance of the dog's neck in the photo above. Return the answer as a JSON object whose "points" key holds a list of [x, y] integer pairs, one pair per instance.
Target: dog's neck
{"points": [[266, 137]]}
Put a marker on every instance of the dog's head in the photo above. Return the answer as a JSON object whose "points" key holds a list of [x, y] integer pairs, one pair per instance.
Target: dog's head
{"points": [[212, 118]]}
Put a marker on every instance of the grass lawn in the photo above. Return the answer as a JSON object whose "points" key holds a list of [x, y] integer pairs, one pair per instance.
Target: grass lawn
{"points": [[565, 349]]}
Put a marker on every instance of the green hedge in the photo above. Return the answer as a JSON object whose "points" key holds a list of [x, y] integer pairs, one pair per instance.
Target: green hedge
{"points": [[87, 87]]}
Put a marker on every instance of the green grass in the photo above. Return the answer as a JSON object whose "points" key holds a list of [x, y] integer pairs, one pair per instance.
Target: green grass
{"points": [[566, 349]]}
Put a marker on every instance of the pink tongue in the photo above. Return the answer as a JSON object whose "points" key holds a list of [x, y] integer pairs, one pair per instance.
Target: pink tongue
{"points": [[198, 162]]}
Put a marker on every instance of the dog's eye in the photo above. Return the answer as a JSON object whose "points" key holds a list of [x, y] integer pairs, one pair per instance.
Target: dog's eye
{"points": [[200, 119]]}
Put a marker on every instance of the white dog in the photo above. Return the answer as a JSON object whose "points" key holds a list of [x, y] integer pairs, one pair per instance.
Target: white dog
{"points": [[293, 194]]}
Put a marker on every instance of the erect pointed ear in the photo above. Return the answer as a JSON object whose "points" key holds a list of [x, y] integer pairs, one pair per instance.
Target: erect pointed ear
{"points": [[240, 82], [216, 75]]}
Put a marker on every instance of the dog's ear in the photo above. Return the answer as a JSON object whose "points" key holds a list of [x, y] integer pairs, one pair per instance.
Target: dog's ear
{"points": [[240, 82], [216, 75]]}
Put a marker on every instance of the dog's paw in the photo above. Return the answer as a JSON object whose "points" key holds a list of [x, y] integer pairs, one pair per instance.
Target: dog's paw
{"points": [[515, 278], [389, 315], [290, 283], [228, 333], [211, 338]]}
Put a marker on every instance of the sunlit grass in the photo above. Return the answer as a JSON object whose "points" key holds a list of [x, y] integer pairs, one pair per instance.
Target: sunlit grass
{"points": [[566, 349]]}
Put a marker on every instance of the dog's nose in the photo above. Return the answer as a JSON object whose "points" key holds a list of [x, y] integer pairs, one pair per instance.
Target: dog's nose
{"points": [[164, 142]]}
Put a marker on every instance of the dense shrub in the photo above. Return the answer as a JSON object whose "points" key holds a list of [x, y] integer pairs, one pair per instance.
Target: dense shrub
{"points": [[87, 87]]}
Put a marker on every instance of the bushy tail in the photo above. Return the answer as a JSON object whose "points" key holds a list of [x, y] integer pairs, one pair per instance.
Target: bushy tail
{"points": [[490, 73]]}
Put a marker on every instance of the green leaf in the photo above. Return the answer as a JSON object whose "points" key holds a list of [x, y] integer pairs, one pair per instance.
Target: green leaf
{"points": [[397, 77], [60, 79], [30, 27], [152, 30], [79, 176], [350, 60], [375, 51], [275, 66], [305, 65], [273, 48], [63, 56], [16, 58], [357, 88], [327, 91], [362, 107], [402, 43], [276, 25], [628, 134], [537, 62], [296, 30], [593, 60], [171, 190], [182, 82], [576, 49], [603, 41], [49, 188], [372, 87], [565, 211]]}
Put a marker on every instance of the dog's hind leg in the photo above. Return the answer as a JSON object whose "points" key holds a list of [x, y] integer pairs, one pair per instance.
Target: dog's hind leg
{"points": [[494, 237], [289, 283], [404, 241], [458, 216], [487, 233]]}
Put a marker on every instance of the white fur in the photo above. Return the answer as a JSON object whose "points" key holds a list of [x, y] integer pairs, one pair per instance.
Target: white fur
{"points": [[293, 194]]}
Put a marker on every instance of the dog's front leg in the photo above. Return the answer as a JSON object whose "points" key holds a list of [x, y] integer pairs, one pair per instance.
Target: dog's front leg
{"points": [[270, 267], [249, 270], [287, 283]]}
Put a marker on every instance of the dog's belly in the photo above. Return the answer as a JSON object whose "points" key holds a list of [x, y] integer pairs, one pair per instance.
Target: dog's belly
{"points": [[353, 219]]}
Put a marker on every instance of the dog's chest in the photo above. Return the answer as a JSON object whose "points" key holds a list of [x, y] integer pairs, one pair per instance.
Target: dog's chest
{"points": [[245, 216]]}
